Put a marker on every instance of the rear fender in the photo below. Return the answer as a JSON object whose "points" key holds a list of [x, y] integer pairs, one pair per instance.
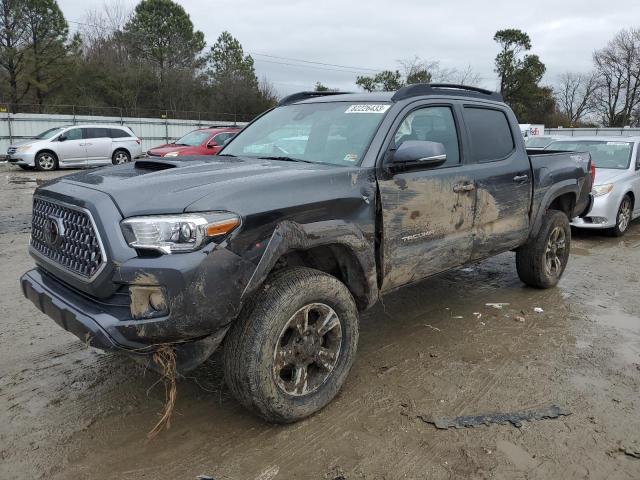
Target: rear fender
{"points": [[552, 193]]}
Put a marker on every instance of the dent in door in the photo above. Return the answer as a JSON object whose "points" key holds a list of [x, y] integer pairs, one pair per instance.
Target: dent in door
{"points": [[427, 226]]}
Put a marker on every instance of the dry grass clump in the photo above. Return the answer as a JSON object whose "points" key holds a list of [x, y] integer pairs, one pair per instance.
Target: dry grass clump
{"points": [[165, 359]]}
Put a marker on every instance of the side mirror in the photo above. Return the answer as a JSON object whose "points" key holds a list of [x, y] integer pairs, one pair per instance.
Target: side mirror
{"points": [[419, 153], [62, 138], [212, 144]]}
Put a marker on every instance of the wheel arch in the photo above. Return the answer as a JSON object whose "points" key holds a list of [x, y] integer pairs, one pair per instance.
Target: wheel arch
{"points": [[117, 149], [563, 198], [334, 247]]}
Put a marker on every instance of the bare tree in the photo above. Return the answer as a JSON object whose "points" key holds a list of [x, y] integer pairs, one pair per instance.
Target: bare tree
{"points": [[617, 95], [575, 95]]}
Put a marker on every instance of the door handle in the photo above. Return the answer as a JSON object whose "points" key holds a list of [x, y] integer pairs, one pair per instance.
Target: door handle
{"points": [[464, 187], [520, 178]]}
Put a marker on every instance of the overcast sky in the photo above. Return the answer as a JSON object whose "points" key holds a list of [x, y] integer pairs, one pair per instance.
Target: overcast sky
{"points": [[375, 34]]}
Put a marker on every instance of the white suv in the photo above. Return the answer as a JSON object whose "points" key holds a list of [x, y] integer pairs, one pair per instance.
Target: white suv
{"points": [[76, 146]]}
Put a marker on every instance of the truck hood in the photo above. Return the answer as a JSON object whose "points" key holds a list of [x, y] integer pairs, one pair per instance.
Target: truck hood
{"points": [[609, 175], [241, 185]]}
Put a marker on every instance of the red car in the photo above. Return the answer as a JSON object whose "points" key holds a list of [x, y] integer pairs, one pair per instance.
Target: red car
{"points": [[204, 141]]}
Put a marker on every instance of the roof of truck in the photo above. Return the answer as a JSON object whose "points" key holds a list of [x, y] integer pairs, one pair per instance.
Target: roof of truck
{"points": [[408, 91]]}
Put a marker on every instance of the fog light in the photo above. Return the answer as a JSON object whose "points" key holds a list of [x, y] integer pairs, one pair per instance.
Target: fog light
{"points": [[598, 219], [147, 302]]}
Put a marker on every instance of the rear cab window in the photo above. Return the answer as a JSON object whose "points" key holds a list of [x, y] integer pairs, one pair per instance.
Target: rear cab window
{"points": [[489, 133]]}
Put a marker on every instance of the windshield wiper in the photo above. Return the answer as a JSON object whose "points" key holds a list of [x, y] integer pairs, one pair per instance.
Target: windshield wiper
{"points": [[287, 159]]}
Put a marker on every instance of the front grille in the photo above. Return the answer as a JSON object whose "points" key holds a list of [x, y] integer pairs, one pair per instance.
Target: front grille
{"points": [[66, 236], [11, 150]]}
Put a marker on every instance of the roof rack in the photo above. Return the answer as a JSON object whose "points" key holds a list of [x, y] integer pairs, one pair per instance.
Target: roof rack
{"points": [[294, 97], [223, 126], [419, 89]]}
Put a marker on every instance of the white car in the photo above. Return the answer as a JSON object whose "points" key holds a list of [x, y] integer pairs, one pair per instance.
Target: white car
{"points": [[76, 146], [616, 189]]}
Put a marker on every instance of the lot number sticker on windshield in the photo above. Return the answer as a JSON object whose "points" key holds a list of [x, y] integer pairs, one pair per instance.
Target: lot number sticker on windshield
{"points": [[367, 108]]}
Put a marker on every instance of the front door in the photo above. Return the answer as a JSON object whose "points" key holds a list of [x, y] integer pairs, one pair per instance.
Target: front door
{"points": [[71, 151], [427, 213]]}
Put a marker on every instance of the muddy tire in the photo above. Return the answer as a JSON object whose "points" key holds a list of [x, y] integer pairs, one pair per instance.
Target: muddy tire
{"points": [[289, 353], [542, 260], [623, 217], [46, 161]]}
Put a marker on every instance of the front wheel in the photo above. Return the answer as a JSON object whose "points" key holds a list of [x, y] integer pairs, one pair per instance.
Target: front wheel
{"points": [[541, 261], [46, 161], [623, 217], [288, 355]]}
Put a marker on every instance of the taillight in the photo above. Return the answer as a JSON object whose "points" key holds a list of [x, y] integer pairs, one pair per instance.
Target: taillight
{"points": [[593, 172]]}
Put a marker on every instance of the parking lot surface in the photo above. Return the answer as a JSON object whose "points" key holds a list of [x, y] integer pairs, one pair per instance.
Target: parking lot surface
{"points": [[471, 341]]}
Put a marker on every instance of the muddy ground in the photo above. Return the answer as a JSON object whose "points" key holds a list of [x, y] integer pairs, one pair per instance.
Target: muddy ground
{"points": [[71, 412]]}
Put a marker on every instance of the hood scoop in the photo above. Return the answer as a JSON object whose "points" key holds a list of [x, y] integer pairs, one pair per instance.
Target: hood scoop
{"points": [[154, 165]]}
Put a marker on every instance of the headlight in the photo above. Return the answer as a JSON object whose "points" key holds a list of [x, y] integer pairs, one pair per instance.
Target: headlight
{"points": [[177, 233], [171, 154], [599, 190], [23, 148]]}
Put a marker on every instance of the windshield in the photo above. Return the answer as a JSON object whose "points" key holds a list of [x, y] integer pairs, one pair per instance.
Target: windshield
{"points": [[336, 133], [605, 154], [193, 139], [49, 133], [538, 142]]}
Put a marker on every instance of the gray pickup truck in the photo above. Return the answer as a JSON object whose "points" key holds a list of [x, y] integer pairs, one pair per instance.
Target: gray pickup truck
{"points": [[306, 218]]}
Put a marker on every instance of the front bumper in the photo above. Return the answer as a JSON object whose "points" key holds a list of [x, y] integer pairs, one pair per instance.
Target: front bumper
{"points": [[602, 215], [22, 158], [72, 312]]}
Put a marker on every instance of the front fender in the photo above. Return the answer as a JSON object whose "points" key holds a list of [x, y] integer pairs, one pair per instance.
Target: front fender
{"points": [[289, 236]]}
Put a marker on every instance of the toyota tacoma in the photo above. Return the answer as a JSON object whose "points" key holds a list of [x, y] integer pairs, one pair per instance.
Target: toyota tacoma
{"points": [[273, 248]]}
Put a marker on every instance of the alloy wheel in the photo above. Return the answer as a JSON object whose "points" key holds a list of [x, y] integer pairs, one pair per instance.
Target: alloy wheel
{"points": [[624, 214], [555, 252], [46, 162], [307, 350], [120, 158]]}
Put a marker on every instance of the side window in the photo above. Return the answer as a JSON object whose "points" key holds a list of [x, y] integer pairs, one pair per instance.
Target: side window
{"points": [[118, 133], [73, 134], [96, 132], [435, 124], [221, 138], [489, 133]]}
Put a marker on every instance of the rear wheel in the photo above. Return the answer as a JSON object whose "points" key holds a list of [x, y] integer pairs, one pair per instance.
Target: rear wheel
{"points": [[542, 260], [46, 161], [288, 355], [623, 218], [120, 156]]}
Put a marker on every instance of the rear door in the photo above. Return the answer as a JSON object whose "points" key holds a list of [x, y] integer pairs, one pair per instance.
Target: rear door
{"points": [[427, 213], [98, 145], [502, 174], [71, 151]]}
